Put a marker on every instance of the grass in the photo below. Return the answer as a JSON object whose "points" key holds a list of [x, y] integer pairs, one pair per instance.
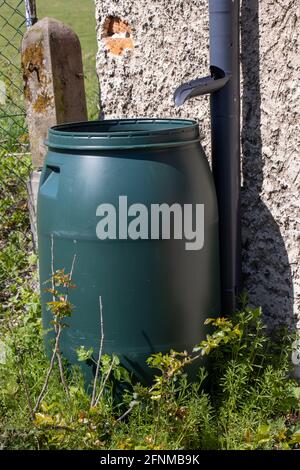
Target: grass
{"points": [[12, 26], [79, 15], [12, 114], [246, 399]]}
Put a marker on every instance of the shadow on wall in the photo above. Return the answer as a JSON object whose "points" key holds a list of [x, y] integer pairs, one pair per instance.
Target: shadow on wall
{"points": [[266, 270]]}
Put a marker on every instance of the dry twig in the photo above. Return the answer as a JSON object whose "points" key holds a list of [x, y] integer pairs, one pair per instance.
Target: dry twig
{"points": [[104, 382], [100, 353]]}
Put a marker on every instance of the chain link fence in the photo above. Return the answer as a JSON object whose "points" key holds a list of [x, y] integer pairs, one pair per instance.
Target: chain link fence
{"points": [[15, 162], [13, 136], [16, 244], [13, 131]]}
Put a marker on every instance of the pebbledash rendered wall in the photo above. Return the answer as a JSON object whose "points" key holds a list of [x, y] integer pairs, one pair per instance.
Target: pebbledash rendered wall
{"points": [[148, 47]]}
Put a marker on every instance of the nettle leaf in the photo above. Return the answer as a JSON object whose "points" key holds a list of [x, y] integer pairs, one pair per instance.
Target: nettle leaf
{"points": [[84, 354], [42, 419], [263, 432], [156, 395], [54, 405], [105, 360], [125, 376], [60, 308], [32, 259], [296, 392], [295, 438], [116, 360], [52, 291], [264, 440]]}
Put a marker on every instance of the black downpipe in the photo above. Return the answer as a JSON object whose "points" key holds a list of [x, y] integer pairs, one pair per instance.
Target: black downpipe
{"points": [[225, 141], [224, 88]]}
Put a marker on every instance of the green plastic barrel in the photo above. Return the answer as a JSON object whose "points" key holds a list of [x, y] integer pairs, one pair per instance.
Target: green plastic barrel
{"points": [[157, 283]]}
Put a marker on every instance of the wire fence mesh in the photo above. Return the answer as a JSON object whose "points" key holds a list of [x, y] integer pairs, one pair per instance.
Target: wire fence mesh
{"points": [[13, 135], [15, 163]]}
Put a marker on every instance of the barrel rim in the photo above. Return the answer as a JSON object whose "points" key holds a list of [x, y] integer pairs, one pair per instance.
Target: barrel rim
{"points": [[174, 132]]}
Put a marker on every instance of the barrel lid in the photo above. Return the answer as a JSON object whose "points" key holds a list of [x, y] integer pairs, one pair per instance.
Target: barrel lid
{"points": [[123, 134]]}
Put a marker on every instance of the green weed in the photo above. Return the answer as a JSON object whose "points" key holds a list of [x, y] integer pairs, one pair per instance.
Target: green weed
{"points": [[243, 397], [249, 400]]}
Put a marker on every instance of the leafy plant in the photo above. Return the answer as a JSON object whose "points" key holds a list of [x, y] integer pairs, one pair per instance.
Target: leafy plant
{"points": [[241, 397]]}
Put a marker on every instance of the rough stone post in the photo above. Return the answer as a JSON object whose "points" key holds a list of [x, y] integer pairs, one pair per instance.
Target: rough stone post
{"points": [[53, 81], [53, 87]]}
